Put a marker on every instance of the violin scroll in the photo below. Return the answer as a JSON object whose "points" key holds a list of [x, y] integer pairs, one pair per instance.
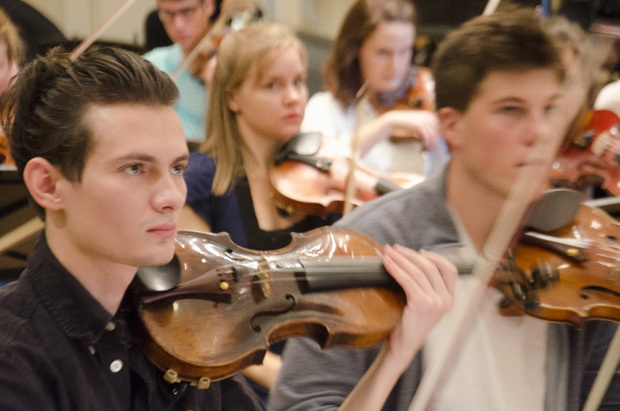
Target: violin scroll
{"points": [[569, 275]]}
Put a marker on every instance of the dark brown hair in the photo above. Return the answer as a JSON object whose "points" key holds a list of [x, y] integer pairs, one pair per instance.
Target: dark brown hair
{"points": [[510, 40], [47, 102]]}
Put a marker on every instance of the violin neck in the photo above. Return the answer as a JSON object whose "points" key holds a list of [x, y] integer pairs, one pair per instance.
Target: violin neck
{"points": [[336, 274], [342, 273]]}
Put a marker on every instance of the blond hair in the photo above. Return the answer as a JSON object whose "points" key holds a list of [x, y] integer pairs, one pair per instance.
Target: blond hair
{"points": [[15, 49], [247, 52]]}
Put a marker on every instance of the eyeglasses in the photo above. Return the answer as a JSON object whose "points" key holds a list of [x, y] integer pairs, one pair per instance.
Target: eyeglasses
{"points": [[185, 14]]}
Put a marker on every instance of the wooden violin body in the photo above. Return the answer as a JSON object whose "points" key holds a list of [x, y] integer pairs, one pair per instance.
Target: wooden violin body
{"points": [[315, 184], [591, 153], [232, 303], [582, 261]]}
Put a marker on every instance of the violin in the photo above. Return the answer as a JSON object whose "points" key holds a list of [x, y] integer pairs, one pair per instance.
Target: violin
{"points": [[329, 284], [232, 303], [591, 153], [568, 275], [416, 93], [310, 172]]}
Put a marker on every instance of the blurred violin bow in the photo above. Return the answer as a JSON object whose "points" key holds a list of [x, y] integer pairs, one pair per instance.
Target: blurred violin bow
{"points": [[360, 116], [490, 7], [528, 182], [88, 41]]}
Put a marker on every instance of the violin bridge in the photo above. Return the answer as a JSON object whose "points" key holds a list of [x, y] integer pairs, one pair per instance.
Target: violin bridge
{"points": [[265, 279]]}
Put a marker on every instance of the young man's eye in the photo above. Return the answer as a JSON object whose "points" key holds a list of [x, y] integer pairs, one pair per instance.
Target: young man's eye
{"points": [[511, 110], [178, 169], [551, 108], [133, 169]]}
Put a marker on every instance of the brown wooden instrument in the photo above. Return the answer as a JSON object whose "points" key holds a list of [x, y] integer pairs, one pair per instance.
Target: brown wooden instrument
{"points": [[569, 275], [310, 173], [590, 153], [232, 303]]}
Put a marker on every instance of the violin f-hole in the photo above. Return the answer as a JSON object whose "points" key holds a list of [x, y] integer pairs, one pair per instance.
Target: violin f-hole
{"points": [[288, 306]]}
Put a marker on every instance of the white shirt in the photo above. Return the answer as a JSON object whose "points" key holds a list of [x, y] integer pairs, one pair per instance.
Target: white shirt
{"points": [[324, 114], [500, 363]]}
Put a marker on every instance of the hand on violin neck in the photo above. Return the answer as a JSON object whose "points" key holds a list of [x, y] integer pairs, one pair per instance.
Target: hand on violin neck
{"points": [[428, 280]]}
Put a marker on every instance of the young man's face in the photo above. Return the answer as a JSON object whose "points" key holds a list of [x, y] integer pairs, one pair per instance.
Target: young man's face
{"points": [[185, 21], [125, 209], [491, 140]]}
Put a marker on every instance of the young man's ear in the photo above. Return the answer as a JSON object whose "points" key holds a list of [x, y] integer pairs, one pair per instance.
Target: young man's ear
{"points": [[41, 179], [209, 7], [450, 124]]}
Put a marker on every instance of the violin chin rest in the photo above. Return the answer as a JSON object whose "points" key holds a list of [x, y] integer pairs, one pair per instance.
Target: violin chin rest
{"points": [[556, 209]]}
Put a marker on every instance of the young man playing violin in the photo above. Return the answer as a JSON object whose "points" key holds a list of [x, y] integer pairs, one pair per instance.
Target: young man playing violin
{"points": [[498, 90], [102, 153]]}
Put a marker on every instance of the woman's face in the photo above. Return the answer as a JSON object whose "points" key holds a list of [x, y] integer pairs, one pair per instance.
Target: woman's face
{"points": [[386, 56], [272, 107]]}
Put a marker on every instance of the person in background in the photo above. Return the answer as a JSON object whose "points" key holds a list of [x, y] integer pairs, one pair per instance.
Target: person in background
{"points": [[11, 50], [186, 22], [102, 153], [498, 86], [573, 43], [257, 104], [374, 48]]}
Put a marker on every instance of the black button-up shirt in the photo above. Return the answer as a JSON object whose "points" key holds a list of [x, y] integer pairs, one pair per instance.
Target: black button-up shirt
{"points": [[61, 350]]}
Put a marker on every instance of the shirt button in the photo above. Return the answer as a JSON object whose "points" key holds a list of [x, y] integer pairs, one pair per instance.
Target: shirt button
{"points": [[116, 366], [110, 326]]}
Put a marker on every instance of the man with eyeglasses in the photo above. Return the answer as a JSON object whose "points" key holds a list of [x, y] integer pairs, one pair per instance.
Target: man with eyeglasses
{"points": [[186, 22]]}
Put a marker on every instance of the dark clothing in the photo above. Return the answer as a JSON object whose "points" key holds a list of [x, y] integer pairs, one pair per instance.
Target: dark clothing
{"points": [[61, 350], [154, 33]]}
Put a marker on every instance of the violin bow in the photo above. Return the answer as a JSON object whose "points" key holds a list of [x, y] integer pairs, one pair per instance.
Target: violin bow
{"points": [[88, 41], [508, 222], [360, 112], [490, 7]]}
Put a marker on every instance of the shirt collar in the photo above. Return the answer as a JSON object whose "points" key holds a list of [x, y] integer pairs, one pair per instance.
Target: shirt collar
{"points": [[79, 315]]}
